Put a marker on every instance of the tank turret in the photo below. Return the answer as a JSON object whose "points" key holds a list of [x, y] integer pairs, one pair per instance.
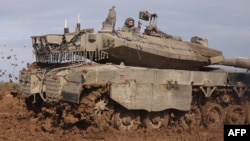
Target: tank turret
{"points": [[152, 48]]}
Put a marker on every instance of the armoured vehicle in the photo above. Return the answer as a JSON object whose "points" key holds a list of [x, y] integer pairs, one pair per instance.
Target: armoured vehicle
{"points": [[128, 79]]}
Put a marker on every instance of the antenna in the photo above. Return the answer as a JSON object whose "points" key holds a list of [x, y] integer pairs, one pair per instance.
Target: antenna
{"points": [[78, 25], [78, 18], [66, 28]]}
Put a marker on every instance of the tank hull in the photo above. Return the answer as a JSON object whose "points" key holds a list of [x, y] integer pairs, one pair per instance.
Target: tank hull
{"points": [[142, 92]]}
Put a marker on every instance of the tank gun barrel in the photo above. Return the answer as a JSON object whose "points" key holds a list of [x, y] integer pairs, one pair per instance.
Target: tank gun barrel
{"points": [[239, 62]]}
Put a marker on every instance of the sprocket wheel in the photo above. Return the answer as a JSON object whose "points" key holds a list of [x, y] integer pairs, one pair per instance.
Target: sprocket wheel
{"points": [[103, 111], [100, 107], [96, 107]]}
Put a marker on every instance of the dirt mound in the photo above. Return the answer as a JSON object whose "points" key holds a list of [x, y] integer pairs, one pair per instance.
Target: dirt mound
{"points": [[19, 124]]}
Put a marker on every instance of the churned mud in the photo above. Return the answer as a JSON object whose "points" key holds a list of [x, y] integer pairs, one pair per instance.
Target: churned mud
{"points": [[17, 123]]}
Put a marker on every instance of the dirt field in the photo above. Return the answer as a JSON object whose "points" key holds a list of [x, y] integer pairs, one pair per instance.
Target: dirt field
{"points": [[19, 124]]}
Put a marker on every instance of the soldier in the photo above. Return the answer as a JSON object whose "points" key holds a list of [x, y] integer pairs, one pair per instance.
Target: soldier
{"points": [[129, 26]]}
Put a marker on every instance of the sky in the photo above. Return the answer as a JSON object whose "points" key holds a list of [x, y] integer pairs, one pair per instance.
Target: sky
{"points": [[224, 23]]}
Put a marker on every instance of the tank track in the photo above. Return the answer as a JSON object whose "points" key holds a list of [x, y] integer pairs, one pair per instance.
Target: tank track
{"points": [[97, 110]]}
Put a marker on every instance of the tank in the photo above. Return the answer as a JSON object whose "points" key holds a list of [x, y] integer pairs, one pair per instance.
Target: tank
{"points": [[128, 79]]}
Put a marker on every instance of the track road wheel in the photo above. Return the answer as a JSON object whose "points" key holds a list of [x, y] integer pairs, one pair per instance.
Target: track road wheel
{"points": [[126, 120], [247, 107], [192, 118], [155, 120], [235, 115], [213, 116]]}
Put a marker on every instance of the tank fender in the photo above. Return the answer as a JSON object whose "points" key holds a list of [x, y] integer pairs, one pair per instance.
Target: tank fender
{"points": [[151, 97], [71, 92], [72, 88]]}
